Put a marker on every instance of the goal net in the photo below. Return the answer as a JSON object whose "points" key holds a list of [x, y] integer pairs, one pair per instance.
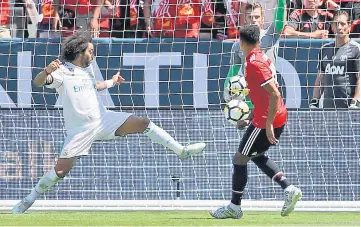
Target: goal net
{"points": [[178, 84]]}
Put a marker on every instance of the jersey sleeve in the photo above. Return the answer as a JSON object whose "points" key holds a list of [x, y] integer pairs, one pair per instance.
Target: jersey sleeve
{"points": [[260, 72], [55, 79], [270, 38], [235, 59], [294, 20]]}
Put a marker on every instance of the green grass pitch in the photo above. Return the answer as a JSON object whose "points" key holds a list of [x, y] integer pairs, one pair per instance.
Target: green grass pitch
{"points": [[176, 218]]}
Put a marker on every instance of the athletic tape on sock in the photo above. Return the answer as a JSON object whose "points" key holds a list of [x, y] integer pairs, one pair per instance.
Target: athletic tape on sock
{"points": [[149, 129]]}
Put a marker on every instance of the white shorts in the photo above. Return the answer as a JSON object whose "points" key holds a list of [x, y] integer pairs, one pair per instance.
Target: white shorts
{"points": [[79, 140]]}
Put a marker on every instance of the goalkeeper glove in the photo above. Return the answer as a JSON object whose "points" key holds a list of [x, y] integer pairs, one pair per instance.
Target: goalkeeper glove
{"points": [[354, 104], [314, 103], [226, 96]]}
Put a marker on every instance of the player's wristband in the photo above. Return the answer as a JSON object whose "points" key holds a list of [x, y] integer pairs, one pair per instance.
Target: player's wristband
{"points": [[109, 83], [46, 72], [314, 103]]}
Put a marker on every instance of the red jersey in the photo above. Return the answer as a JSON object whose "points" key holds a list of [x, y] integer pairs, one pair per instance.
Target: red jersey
{"points": [[82, 7], [48, 11], [232, 19], [4, 12], [181, 18], [260, 71]]}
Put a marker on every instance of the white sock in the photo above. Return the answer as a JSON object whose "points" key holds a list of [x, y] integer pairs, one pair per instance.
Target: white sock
{"points": [[289, 188], [234, 206], [46, 182], [160, 136]]}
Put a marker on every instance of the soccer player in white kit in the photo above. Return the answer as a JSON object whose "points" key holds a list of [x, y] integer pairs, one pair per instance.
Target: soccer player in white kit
{"points": [[86, 118]]}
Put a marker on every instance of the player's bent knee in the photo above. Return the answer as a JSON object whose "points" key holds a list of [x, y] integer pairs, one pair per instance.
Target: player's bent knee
{"points": [[140, 124], [133, 125], [62, 173], [240, 159], [63, 167], [143, 124]]}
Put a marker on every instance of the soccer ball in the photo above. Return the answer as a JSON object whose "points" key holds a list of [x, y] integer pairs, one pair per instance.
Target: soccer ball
{"points": [[237, 88], [236, 110]]}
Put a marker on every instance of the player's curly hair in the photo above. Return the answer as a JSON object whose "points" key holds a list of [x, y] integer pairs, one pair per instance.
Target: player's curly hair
{"points": [[249, 34], [74, 45]]}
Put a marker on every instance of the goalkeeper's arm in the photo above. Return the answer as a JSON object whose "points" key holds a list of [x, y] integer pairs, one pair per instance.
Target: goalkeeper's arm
{"points": [[235, 64]]}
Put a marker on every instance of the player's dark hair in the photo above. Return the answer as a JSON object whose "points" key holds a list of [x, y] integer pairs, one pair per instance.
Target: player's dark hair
{"points": [[342, 12], [74, 45], [254, 6], [249, 34]]}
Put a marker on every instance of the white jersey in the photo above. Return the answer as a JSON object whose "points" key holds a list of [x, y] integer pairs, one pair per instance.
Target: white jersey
{"points": [[76, 86]]}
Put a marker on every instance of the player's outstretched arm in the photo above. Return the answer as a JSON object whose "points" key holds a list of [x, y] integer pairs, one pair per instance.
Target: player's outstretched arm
{"points": [[45, 76], [274, 99], [116, 80], [235, 64]]}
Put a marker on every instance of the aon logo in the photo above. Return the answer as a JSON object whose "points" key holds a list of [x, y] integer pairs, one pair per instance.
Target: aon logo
{"points": [[334, 69]]}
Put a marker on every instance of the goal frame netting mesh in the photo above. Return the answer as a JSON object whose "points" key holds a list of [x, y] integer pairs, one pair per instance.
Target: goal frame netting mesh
{"points": [[178, 84]]}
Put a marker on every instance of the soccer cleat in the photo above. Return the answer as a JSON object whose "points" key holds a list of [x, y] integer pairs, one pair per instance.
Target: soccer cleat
{"points": [[192, 149], [22, 206], [226, 212], [292, 195]]}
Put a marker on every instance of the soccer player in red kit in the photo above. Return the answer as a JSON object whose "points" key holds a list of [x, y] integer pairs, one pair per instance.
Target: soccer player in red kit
{"points": [[270, 117]]}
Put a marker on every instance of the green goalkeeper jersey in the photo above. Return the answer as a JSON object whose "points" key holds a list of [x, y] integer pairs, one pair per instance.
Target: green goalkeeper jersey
{"points": [[269, 44]]}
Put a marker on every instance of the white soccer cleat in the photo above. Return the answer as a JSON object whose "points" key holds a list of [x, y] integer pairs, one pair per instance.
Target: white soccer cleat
{"points": [[192, 149], [292, 195], [22, 206], [226, 212]]}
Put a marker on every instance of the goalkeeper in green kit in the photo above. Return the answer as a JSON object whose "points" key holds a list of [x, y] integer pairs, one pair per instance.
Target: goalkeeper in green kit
{"points": [[269, 44]]}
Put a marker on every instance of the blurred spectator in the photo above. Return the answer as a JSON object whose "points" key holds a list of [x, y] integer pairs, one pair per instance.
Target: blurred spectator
{"points": [[330, 5], [20, 19], [323, 4], [179, 18], [4, 19], [130, 20], [234, 17], [45, 28], [110, 11], [309, 22], [352, 7], [355, 29], [293, 5], [69, 15], [219, 31]]}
